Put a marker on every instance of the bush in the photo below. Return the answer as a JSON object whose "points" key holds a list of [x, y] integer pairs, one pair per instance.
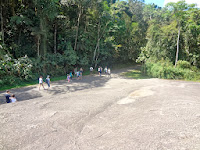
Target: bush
{"points": [[183, 64], [14, 71], [10, 80], [166, 70], [20, 67]]}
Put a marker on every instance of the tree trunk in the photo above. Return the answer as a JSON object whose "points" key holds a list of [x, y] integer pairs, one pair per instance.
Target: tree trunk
{"points": [[13, 7], [43, 28], [98, 40], [2, 30], [55, 44], [97, 55], [77, 28], [177, 51], [44, 43], [19, 37], [95, 50], [38, 45], [97, 46]]}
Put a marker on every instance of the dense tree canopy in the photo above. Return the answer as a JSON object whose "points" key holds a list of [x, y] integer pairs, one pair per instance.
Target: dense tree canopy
{"points": [[56, 35]]}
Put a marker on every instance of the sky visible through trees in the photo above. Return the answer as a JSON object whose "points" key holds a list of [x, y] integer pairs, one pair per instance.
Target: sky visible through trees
{"points": [[162, 3]]}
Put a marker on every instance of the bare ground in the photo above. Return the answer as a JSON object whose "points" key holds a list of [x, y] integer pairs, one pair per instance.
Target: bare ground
{"points": [[102, 113]]}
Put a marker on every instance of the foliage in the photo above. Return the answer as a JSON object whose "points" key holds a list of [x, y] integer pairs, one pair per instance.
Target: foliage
{"points": [[183, 64], [20, 67], [58, 35], [165, 69], [135, 74], [163, 29], [12, 71]]}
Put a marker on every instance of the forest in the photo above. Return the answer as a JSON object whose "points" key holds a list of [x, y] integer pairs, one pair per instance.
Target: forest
{"points": [[40, 37]]}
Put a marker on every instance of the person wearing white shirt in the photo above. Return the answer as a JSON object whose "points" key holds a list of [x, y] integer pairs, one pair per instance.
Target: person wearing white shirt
{"points": [[13, 99], [41, 82]]}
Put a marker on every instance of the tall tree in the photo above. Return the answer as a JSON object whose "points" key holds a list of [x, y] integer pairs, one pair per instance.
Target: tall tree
{"points": [[46, 11], [179, 11], [2, 23]]}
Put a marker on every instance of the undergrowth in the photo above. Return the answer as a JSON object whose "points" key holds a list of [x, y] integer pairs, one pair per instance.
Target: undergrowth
{"points": [[166, 70]]}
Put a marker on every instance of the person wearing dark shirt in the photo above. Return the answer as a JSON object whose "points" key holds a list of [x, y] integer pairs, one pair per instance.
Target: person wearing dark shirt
{"points": [[7, 95]]}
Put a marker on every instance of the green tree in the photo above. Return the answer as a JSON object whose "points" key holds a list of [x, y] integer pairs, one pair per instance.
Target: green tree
{"points": [[179, 12]]}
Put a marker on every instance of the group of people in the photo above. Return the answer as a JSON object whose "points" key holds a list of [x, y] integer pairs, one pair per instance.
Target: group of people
{"points": [[10, 98], [47, 81], [77, 73], [106, 70]]}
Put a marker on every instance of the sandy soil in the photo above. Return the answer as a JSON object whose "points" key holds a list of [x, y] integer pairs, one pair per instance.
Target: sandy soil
{"points": [[102, 113]]}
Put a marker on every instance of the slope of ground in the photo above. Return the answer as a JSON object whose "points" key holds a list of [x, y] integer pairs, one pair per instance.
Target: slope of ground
{"points": [[102, 113]]}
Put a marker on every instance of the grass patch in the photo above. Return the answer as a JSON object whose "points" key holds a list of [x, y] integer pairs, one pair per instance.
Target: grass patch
{"points": [[85, 73], [21, 84], [59, 78], [34, 82], [120, 66], [135, 74], [165, 70]]}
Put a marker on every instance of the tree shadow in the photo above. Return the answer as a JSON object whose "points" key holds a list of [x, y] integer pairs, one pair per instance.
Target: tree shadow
{"points": [[88, 82], [22, 94], [63, 87], [58, 87], [134, 73]]}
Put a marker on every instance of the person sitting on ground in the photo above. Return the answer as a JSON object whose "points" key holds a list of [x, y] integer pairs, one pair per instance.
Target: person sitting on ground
{"points": [[13, 98], [41, 82], [48, 81], [7, 95]]}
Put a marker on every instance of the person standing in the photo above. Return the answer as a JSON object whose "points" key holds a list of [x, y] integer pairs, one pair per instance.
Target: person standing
{"points": [[70, 75], [105, 70], [41, 82], [99, 70], [77, 75], [48, 81], [7, 95], [91, 70], [109, 72], [75, 71], [81, 73]]}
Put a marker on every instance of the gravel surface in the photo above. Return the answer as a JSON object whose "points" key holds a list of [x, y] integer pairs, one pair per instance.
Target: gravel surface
{"points": [[103, 113]]}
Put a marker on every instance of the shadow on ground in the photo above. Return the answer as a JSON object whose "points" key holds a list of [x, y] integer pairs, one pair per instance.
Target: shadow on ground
{"points": [[62, 86], [87, 82], [25, 93], [131, 73], [58, 87]]}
